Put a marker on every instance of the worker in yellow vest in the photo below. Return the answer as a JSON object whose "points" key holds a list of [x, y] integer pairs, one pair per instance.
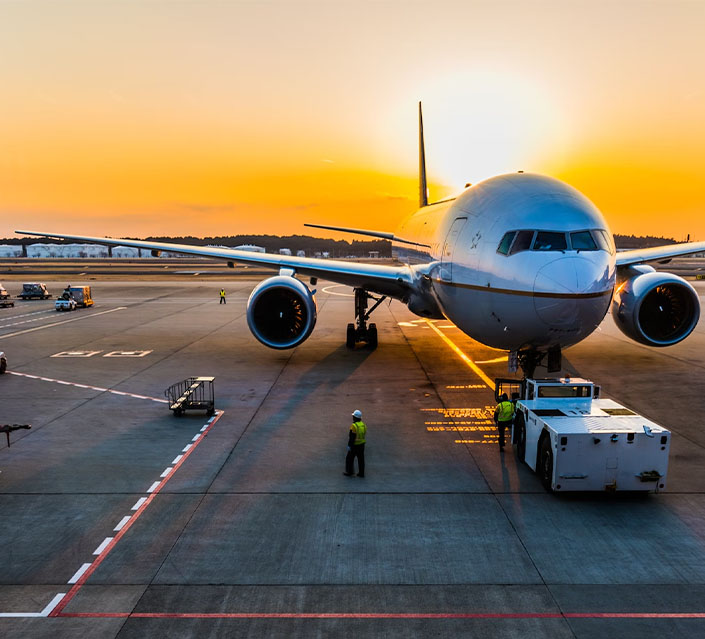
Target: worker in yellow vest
{"points": [[503, 417], [356, 446], [222, 296]]}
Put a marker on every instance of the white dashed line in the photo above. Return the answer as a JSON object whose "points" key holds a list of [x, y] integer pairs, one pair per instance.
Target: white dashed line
{"points": [[44, 613], [78, 319], [102, 546], [78, 574], [185, 450], [195, 437], [138, 503], [177, 459], [204, 428], [153, 487], [122, 523], [166, 471]]}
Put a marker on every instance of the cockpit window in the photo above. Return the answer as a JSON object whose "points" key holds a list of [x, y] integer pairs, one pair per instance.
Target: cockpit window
{"points": [[522, 242], [582, 241], [549, 241], [506, 242], [604, 240]]}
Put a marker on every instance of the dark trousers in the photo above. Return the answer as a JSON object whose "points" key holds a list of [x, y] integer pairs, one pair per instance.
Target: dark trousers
{"points": [[501, 426], [222, 300], [359, 452]]}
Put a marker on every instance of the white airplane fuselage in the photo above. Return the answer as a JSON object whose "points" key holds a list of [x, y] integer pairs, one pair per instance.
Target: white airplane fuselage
{"points": [[547, 294]]}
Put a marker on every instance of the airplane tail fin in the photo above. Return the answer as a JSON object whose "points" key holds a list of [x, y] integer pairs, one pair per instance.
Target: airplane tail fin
{"points": [[423, 188]]}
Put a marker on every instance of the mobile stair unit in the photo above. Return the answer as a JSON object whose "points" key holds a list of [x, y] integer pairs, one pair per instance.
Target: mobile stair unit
{"points": [[194, 393]]}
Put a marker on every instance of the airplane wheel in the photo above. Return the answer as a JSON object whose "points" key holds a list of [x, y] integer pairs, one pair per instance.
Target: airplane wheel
{"points": [[545, 467], [520, 436], [372, 336], [350, 338]]}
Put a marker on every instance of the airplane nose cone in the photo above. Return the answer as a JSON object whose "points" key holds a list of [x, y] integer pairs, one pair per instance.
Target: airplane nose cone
{"points": [[569, 287]]}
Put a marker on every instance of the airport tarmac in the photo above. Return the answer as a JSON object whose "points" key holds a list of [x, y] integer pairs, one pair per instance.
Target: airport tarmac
{"points": [[118, 519]]}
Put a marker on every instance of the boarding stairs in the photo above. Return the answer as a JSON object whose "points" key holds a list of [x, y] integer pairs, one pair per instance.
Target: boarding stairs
{"points": [[193, 393]]}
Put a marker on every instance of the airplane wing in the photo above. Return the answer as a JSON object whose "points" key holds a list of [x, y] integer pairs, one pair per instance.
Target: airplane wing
{"points": [[394, 281], [658, 253]]}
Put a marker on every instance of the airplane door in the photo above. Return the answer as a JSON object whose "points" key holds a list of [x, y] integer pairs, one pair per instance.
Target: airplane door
{"points": [[449, 247]]}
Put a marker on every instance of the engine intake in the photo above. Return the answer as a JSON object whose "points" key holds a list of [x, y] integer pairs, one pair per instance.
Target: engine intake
{"points": [[281, 312], [656, 309]]}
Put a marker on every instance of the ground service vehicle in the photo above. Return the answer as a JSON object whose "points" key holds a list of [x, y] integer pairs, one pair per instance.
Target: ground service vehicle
{"points": [[34, 289], [65, 303], [576, 441], [82, 295], [5, 298]]}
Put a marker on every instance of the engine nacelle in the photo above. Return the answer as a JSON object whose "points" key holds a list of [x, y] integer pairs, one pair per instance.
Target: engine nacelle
{"points": [[281, 312], [656, 309]]}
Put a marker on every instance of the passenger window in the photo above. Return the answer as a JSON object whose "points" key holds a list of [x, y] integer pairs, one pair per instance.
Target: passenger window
{"points": [[506, 242], [582, 241], [549, 241], [522, 242], [604, 240]]}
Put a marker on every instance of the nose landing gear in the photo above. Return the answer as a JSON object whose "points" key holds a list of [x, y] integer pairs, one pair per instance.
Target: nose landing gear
{"points": [[361, 331]]}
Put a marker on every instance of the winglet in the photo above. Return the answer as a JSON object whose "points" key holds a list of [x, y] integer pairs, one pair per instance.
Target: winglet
{"points": [[423, 188]]}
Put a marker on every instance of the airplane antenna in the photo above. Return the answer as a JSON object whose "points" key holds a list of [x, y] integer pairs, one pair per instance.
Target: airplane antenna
{"points": [[423, 188]]}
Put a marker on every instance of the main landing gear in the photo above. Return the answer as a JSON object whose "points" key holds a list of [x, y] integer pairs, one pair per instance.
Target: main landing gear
{"points": [[361, 331]]}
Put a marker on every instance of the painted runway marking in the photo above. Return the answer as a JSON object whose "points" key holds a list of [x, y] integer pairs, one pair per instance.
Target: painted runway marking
{"points": [[36, 319], [44, 613], [389, 615], [75, 354], [122, 523], [77, 319], [177, 459], [138, 503], [327, 290], [102, 546], [166, 472], [100, 389], [185, 450], [85, 571], [79, 573], [475, 368], [195, 437], [127, 353]]}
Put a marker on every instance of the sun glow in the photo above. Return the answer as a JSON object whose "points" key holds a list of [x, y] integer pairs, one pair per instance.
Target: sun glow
{"points": [[490, 123]]}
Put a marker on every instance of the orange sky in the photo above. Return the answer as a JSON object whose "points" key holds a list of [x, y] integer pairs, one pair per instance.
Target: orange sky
{"points": [[214, 117]]}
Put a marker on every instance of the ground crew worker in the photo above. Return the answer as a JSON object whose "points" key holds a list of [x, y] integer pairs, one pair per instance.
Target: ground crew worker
{"points": [[356, 446], [222, 296], [503, 417]]}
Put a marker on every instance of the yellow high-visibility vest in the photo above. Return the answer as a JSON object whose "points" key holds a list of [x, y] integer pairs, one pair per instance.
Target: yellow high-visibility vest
{"points": [[360, 431], [222, 292], [506, 411]]}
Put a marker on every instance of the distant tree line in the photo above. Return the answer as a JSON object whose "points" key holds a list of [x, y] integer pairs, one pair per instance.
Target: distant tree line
{"points": [[311, 245], [271, 243]]}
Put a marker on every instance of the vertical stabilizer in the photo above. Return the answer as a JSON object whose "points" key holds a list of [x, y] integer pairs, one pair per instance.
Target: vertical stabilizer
{"points": [[423, 188]]}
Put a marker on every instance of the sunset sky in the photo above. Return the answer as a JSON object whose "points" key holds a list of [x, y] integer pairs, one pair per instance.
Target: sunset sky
{"points": [[207, 117]]}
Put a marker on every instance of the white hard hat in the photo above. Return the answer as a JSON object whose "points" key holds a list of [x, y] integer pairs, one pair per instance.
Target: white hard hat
{"points": [[357, 414]]}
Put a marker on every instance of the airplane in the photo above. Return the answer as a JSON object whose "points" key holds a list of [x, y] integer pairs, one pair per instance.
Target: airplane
{"points": [[520, 262]]}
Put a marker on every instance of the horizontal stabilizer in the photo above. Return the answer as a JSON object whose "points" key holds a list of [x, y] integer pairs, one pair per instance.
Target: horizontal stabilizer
{"points": [[381, 234]]}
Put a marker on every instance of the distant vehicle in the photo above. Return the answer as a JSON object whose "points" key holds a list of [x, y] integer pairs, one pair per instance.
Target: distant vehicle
{"points": [[65, 303], [34, 289], [5, 298], [576, 441], [82, 295], [3, 362]]}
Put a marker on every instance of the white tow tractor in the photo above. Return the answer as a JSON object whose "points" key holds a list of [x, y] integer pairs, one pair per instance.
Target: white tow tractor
{"points": [[576, 441]]}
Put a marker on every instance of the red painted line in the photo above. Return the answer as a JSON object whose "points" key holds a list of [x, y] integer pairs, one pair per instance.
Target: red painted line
{"points": [[57, 611], [389, 615]]}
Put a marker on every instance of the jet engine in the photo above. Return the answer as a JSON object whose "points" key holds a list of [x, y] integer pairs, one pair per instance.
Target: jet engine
{"points": [[281, 312], [656, 309]]}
